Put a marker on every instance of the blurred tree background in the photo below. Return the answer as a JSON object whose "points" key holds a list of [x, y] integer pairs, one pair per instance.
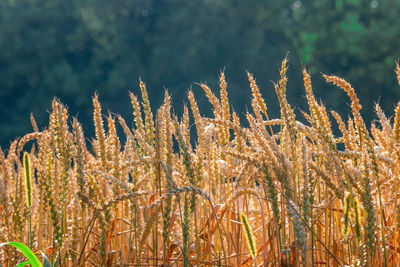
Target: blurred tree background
{"points": [[73, 48]]}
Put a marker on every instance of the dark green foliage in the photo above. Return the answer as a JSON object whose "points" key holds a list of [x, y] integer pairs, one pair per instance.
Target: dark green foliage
{"points": [[70, 49]]}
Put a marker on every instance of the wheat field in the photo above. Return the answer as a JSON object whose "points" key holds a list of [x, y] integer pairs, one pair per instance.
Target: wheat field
{"points": [[198, 191]]}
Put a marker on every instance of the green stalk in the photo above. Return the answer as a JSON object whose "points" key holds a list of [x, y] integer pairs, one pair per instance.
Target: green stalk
{"points": [[30, 228], [185, 230], [382, 226], [62, 235], [312, 236], [130, 235], [136, 230], [52, 257]]}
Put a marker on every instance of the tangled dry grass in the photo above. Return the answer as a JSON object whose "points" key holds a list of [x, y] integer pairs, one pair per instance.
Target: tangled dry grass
{"points": [[276, 193]]}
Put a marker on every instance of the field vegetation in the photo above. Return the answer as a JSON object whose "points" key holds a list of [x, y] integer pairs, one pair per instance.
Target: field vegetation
{"points": [[207, 191]]}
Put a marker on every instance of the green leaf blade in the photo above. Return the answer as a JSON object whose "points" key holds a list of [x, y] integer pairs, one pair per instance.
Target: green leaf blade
{"points": [[31, 257]]}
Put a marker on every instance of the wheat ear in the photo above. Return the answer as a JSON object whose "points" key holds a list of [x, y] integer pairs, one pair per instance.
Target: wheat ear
{"points": [[248, 233], [28, 191]]}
